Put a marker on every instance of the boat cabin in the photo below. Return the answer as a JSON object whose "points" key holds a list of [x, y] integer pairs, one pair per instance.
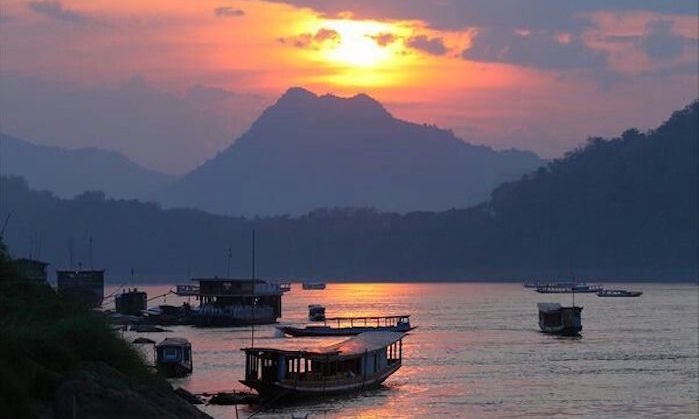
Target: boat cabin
{"points": [[559, 320], [131, 302], [360, 362], [31, 269], [173, 357], [83, 286]]}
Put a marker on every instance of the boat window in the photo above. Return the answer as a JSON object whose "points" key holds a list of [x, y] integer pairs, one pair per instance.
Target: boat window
{"points": [[170, 354]]}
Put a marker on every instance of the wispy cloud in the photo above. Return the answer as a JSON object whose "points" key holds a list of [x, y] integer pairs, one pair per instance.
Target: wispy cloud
{"points": [[384, 39], [227, 11], [313, 40], [55, 10]]}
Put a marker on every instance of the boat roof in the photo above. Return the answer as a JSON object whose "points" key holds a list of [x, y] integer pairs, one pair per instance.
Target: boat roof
{"points": [[217, 279], [174, 342], [368, 317], [551, 307], [356, 345]]}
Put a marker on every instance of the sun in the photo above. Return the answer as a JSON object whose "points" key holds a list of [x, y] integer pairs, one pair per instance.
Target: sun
{"points": [[356, 46]]}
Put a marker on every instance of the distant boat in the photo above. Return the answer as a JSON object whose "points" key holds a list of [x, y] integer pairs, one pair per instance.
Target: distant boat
{"points": [[316, 313], [619, 293], [558, 320], [313, 285], [131, 302], [173, 357], [531, 284], [82, 286], [563, 287], [358, 363], [349, 326]]}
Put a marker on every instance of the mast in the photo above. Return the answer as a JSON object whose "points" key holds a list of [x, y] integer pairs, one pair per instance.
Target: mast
{"points": [[252, 329], [228, 266]]}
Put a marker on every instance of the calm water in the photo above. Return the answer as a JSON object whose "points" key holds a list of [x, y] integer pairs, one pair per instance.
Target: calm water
{"points": [[477, 352]]}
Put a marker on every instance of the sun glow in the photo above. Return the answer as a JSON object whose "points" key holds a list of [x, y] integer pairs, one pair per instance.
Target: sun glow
{"points": [[357, 45]]}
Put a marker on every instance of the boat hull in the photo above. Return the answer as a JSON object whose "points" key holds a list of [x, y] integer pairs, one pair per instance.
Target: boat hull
{"points": [[290, 390], [173, 370], [344, 331], [561, 331]]}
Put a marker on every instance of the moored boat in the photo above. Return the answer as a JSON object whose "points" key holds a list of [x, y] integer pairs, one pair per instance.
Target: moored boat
{"points": [[313, 285], [349, 326], [173, 357], [619, 293], [558, 320], [358, 363], [562, 288]]}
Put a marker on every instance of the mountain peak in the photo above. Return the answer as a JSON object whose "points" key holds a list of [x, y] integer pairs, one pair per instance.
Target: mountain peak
{"points": [[299, 100]]}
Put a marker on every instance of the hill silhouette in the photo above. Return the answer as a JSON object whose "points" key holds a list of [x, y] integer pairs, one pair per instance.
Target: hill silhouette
{"points": [[68, 172], [309, 151], [623, 208]]}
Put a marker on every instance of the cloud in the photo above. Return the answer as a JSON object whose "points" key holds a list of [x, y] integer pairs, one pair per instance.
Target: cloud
{"points": [[314, 41], [384, 39], [55, 10], [660, 42], [458, 14], [541, 49], [227, 11], [434, 46]]}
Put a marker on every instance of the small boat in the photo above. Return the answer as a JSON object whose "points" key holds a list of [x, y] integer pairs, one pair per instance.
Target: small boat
{"points": [[619, 293], [531, 284], [558, 320], [313, 285], [173, 357], [361, 362], [316, 313], [349, 326]]}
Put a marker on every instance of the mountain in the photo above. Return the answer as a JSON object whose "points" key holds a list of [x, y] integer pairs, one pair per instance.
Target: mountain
{"points": [[620, 208], [68, 172], [309, 151]]}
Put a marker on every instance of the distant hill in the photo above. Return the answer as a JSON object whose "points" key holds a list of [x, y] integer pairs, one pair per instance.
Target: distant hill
{"points": [[625, 208], [68, 172], [309, 151]]}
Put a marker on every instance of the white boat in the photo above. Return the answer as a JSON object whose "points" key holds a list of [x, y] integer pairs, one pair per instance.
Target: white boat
{"points": [[361, 362], [619, 293]]}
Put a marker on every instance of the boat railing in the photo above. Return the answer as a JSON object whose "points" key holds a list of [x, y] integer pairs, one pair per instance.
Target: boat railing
{"points": [[367, 321]]}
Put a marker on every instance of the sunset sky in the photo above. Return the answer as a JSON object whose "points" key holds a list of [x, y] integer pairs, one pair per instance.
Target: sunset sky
{"points": [[539, 75]]}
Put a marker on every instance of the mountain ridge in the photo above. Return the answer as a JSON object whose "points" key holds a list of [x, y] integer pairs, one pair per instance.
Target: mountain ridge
{"points": [[308, 151]]}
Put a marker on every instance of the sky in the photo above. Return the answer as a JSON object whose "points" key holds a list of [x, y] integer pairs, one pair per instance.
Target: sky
{"points": [[181, 79]]}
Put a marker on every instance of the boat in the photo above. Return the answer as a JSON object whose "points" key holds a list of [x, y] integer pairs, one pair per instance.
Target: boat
{"points": [[536, 284], [558, 320], [619, 293], [173, 357], [237, 302], [313, 285], [568, 287], [131, 302], [349, 326], [361, 362], [82, 286], [316, 312]]}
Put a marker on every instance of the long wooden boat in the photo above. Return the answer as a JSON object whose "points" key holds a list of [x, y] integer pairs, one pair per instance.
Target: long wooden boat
{"points": [[619, 293], [562, 288], [350, 326], [358, 363], [558, 320]]}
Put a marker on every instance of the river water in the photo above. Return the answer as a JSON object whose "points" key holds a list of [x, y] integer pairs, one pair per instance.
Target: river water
{"points": [[478, 352]]}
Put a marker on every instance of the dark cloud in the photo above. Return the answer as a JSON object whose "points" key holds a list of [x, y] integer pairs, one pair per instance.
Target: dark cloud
{"points": [[541, 49], [384, 39], [310, 40], [661, 43], [458, 14], [227, 11], [55, 10], [434, 46]]}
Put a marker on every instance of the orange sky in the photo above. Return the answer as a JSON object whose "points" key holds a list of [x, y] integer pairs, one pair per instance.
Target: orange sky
{"points": [[417, 68]]}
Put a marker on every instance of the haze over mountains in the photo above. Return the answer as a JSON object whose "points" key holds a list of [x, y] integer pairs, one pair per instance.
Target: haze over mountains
{"points": [[68, 172], [309, 151], [622, 208]]}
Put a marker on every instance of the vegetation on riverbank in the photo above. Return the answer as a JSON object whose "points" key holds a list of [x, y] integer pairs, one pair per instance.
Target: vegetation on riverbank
{"points": [[56, 357]]}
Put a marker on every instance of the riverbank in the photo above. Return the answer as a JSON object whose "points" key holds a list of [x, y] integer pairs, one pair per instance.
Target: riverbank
{"points": [[60, 360]]}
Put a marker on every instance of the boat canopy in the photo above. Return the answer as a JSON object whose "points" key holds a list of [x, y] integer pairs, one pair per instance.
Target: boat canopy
{"points": [[356, 345], [174, 342], [369, 317], [548, 307]]}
